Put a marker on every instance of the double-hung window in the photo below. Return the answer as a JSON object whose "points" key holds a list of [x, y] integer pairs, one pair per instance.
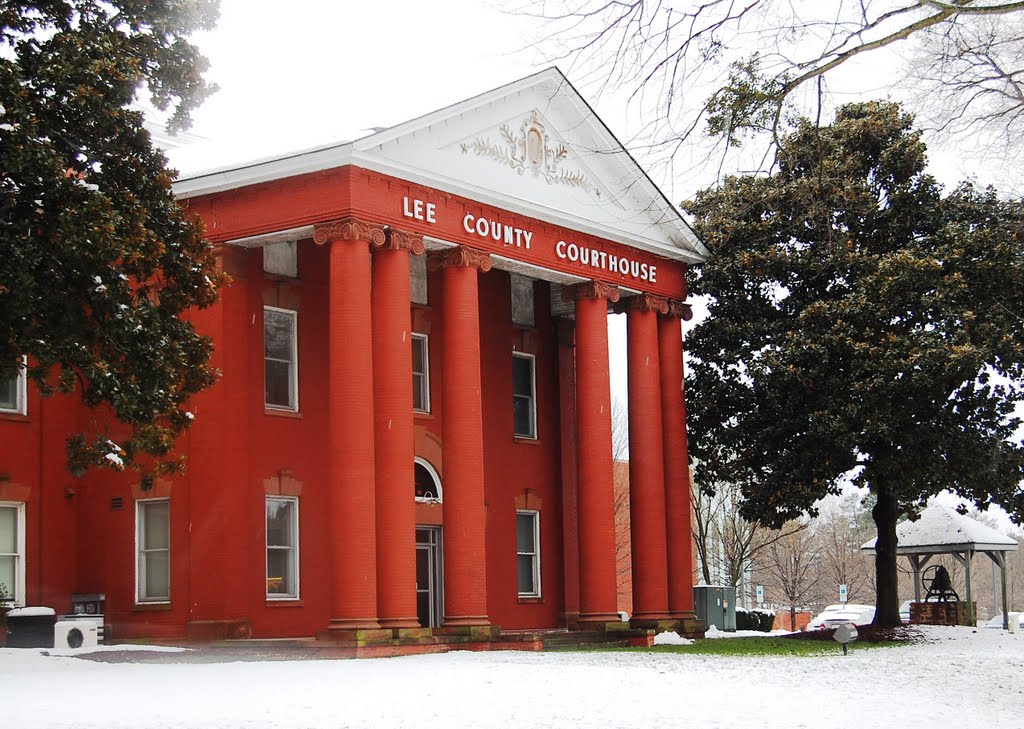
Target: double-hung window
{"points": [[282, 547], [12, 393], [153, 539], [420, 374], [524, 399], [12, 552], [528, 552], [280, 359]]}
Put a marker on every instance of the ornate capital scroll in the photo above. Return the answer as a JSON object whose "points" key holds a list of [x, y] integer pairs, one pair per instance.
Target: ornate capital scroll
{"points": [[590, 290], [460, 256], [644, 302], [348, 229], [400, 240], [678, 310]]}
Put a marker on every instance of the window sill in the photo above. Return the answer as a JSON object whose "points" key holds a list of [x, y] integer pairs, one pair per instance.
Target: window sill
{"points": [[282, 413], [531, 600], [284, 602], [524, 440], [145, 607], [13, 417], [421, 415]]}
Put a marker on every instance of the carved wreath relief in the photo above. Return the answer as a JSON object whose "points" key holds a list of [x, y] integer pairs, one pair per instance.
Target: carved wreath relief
{"points": [[530, 150]]}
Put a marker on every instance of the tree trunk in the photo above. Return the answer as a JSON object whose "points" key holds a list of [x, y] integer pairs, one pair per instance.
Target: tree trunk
{"points": [[792, 617], [887, 600]]}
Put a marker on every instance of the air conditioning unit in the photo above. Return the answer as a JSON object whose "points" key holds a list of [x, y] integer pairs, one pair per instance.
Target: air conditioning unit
{"points": [[78, 632]]}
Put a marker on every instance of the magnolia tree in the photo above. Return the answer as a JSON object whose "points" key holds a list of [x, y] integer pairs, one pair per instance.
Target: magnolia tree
{"points": [[864, 325], [97, 261]]}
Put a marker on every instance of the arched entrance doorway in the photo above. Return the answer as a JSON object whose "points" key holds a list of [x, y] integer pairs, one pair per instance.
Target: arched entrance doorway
{"points": [[429, 549]]}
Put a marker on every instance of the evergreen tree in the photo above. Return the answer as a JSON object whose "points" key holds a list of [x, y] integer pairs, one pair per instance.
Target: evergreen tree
{"points": [[862, 326], [97, 261]]}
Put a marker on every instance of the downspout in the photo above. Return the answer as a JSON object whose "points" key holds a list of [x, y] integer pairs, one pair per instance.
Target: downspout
{"points": [[39, 507]]}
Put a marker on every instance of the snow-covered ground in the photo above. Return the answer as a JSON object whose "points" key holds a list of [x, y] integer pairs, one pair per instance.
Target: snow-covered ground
{"points": [[960, 677]]}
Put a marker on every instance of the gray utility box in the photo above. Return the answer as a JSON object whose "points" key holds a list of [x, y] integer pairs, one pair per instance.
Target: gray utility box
{"points": [[716, 605]]}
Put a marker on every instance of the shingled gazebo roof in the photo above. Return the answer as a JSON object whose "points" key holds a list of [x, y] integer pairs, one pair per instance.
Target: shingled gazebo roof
{"points": [[940, 530]]}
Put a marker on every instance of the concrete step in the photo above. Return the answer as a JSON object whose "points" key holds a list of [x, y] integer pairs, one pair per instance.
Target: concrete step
{"points": [[586, 646]]}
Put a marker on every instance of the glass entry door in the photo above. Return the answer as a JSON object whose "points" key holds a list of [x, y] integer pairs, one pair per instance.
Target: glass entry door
{"points": [[429, 600]]}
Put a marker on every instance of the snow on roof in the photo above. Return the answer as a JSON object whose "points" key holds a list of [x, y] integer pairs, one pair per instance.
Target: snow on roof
{"points": [[940, 529], [212, 157], [27, 612]]}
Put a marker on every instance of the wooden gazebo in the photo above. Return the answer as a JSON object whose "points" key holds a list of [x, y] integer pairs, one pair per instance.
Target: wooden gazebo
{"points": [[941, 530]]}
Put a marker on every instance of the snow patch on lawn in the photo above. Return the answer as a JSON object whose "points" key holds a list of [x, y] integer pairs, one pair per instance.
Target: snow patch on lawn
{"points": [[671, 638]]}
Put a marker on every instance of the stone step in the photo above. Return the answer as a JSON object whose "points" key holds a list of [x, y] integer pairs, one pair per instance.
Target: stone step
{"points": [[586, 646]]}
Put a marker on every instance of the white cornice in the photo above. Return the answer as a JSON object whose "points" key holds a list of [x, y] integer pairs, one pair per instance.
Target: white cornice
{"points": [[278, 236], [208, 182]]}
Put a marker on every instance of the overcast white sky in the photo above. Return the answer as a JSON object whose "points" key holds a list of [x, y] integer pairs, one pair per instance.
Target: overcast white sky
{"points": [[305, 72], [296, 74]]}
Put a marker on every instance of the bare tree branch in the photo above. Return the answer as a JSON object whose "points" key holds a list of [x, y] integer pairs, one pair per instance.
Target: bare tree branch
{"points": [[737, 68]]}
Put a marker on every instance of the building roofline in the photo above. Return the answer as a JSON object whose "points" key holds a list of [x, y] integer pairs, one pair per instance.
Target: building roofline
{"points": [[357, 152]]}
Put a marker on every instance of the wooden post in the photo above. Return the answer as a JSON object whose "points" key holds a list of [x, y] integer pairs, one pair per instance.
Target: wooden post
{"points": [[1000, 559], [915, 563], [967, 581]]}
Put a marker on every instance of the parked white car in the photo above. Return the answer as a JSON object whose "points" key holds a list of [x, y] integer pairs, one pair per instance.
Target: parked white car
{"points": [[835, 615]]}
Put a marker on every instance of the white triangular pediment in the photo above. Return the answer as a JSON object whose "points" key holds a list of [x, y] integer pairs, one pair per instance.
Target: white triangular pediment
{"points": [[536, 148], [533, 147]]}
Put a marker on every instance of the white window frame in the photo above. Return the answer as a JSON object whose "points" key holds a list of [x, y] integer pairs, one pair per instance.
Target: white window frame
{"points": [[140, 553], [437, 482], [292, 407], [293, 549], [535, 515], [21, 393], [424, 378], [17, 597], [532, 359]]}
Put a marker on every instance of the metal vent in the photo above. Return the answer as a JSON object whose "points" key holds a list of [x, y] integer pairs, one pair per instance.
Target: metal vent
{"points": [[116, 502]]}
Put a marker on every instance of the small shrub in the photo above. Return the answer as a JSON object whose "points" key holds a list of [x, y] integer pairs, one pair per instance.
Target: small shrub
{"points": [[760, 620]]}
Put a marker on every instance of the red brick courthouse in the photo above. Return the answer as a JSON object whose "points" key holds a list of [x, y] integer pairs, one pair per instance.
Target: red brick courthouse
{"points": [[411, 439]]}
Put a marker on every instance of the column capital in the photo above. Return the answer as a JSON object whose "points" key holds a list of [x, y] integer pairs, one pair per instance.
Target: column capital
{"points": [[399, 240], [350, 229], [590, 290], [645, 303], [678, 310], [460, 256]]}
